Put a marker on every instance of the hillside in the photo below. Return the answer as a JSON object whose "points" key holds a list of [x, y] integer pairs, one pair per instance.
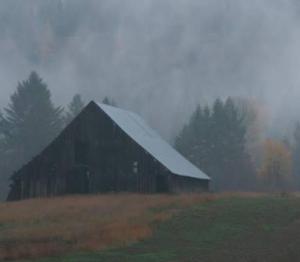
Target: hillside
{"points": [[43, 227], [152, 228]]}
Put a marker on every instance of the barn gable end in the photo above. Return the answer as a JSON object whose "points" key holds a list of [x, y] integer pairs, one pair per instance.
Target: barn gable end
{"points": [[106, 149]]}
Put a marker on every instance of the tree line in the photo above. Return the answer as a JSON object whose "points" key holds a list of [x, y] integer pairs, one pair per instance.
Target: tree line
{"points": [[224, 140], [215, 140]]}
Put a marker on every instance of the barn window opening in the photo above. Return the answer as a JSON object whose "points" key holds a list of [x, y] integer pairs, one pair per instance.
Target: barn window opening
{"points": [[81, 152], [135, 167]]}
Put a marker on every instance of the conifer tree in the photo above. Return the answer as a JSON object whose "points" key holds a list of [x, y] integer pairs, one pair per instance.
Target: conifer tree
{"points": [[109, 101], [4, 176], [74, 108], [214, 140], [30, 121]]}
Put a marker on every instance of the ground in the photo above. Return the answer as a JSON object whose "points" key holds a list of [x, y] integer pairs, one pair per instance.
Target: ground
{"points": [[218, 228]]}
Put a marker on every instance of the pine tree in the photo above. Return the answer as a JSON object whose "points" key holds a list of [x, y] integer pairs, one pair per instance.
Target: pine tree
{"points": [[4, 175], [186, 141], [194, 139], [109, 101], [214, 140], [238, 168], [30, 120], [74, 108]]}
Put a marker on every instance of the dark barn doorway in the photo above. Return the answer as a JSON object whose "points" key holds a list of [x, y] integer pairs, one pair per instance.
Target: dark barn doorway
{"points": [[78, 180], [161, 183]]}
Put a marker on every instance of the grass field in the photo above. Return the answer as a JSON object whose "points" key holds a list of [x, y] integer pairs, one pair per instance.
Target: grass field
{"points": [[143, 228], [43, 227]]}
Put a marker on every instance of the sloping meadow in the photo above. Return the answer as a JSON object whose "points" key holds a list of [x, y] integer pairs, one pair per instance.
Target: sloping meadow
{"points": [[46, 227]]}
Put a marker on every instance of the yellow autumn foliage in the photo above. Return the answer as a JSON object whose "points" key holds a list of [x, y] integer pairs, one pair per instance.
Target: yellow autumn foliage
{"points": [[276, 168]]}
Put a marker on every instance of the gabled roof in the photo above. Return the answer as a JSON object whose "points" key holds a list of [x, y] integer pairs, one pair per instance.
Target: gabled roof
{"points": [[135, 127]]}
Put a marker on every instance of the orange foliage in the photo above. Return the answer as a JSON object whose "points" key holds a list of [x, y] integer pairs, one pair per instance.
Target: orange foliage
{"points": [[276, 168]]}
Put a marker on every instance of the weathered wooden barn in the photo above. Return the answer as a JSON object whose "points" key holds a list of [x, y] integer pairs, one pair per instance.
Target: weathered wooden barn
{"points": [[106, 149]]}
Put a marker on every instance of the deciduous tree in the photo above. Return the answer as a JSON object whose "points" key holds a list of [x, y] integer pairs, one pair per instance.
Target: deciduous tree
{"points": [[276, 170]]}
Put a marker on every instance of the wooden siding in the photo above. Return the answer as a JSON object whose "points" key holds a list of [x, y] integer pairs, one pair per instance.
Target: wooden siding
{"points": [[94, 155]]}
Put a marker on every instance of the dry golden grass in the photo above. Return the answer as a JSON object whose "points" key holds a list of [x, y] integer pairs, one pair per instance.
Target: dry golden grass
{"points": [[44, 227]]}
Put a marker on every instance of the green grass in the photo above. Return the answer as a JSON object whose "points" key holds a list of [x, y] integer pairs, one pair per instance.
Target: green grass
{"points": [[228, 229]]}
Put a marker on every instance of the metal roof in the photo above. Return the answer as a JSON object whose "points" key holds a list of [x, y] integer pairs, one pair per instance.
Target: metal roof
{"points": [[135, 127]]}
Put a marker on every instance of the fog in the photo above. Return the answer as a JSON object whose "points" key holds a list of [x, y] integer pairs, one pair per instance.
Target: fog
{"points": [[158, 58]]}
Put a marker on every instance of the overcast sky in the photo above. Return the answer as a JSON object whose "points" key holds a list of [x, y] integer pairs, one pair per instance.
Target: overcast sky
{"points": [[158, 58]]}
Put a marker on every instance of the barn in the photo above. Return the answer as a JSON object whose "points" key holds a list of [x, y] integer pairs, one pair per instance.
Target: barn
{"points": [[106, 149]]}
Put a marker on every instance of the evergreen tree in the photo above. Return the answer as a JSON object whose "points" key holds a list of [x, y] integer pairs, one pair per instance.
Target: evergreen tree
{"points": [[187, 142], [74, 108], [30, 121], [193, 141], [238, 169], [109, 101], [4, 176], [214, 140]]}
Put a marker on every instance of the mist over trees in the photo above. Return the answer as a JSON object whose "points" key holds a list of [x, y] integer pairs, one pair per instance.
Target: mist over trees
{"points": [[296, 154], [276, 170], [225, 139], [30, 120], [215, 140], [109, 101], [28, 124], [74, 108], [161, 59], [144, 53]]}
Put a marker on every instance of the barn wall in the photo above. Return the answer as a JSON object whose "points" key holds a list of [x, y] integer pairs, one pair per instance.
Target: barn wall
{"points": [[182, 184], [115, 161], [91, 155], [94, 155]]}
